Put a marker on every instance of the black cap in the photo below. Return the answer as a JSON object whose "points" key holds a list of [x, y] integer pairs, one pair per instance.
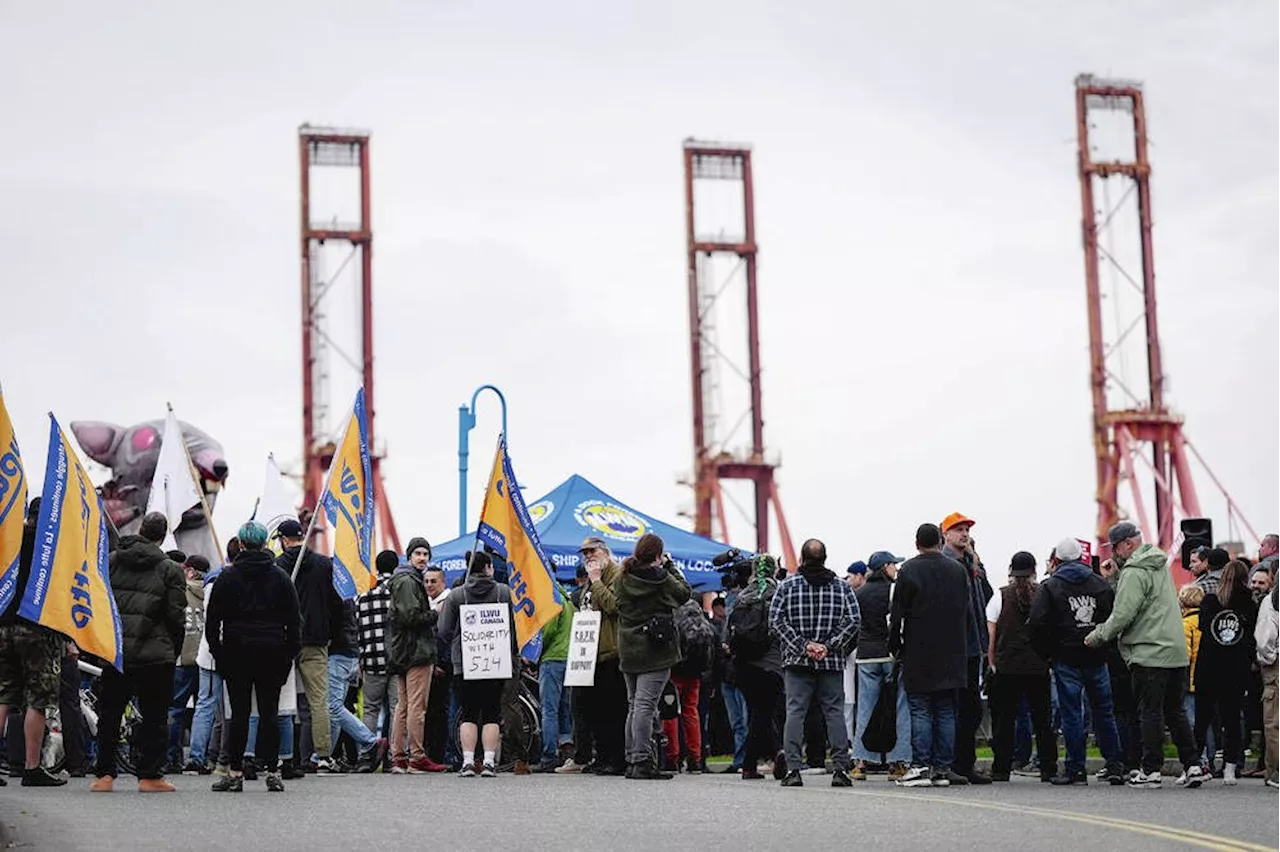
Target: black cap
{"points": [[1217, 558], [1122, 531], [1023, 564], [289, 528]]}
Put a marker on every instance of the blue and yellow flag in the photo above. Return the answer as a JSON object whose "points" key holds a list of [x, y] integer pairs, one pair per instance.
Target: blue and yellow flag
{"points": [[69, 590], [348, 507], [13, 504], [505, 526]]}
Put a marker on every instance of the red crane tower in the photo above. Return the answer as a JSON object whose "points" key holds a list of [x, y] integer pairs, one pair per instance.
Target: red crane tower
{"points": [[322, 147], [708, 241], [1143, 417]]}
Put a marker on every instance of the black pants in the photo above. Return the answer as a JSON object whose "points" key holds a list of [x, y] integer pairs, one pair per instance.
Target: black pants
{"points": [[968, 720], [437, 720], [1221, 702], [607, 707], [584, 740], [1006, 692], [1125, 702], [263, 678], [763, 692], [153, 685], [815, 736], [1159, 693]]}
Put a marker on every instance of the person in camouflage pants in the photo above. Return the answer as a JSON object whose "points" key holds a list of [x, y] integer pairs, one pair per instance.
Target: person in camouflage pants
{"points": [[30, 667]]}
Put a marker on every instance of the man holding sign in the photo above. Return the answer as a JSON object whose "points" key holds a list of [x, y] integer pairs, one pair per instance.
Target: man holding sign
{"points": [[476, 621]]}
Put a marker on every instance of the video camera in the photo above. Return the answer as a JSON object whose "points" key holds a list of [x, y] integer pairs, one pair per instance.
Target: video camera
{"points": [[734, 567]]}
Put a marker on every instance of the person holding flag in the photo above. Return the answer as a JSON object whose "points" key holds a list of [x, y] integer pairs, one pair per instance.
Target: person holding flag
{"points": [[150, 592]]}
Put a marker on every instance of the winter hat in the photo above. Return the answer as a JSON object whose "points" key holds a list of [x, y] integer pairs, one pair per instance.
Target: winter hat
{"points": [[386, 562], [1218, 558], [649, 548], [1023, 564], [416, 542], [1068, 550]]}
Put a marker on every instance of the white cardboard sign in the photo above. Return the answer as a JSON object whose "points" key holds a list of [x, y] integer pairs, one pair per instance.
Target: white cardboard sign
{"points": [[486, 641], [581, 670]]}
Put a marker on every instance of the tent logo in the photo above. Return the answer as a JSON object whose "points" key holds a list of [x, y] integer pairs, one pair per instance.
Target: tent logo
{"points": [[610, 520], [541, 510]]}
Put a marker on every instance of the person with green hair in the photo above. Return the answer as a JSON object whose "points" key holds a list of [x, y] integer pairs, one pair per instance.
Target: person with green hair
{"points": [[253, 627]]}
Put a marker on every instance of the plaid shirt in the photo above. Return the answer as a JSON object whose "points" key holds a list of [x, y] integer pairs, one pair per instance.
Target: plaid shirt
{"points": [[1210, 581], [374, 606], [826, 614]]}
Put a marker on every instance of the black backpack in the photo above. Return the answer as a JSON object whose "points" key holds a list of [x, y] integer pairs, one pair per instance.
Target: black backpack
{"points": [[749, 630], [881, 733]]}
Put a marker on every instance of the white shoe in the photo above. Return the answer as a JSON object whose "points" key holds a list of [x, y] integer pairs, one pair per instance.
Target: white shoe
{"points": [[488, 771], [568, 768], [1138, 778], [1192, 777], [917, 776], [1229, 775]]}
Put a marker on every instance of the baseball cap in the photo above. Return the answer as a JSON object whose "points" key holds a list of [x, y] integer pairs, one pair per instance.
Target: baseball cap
{"points": [[955, 519], [1023, 564], [591, 542], [1068, 550], [858, 567], [289, 528], [1122, 531], [881, 558]]}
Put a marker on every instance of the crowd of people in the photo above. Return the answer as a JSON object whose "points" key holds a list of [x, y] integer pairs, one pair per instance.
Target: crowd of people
{"points": [[258, 666]]}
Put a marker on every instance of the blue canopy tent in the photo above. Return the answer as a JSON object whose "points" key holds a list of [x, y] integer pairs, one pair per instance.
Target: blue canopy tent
{"points": [[577, 509]]}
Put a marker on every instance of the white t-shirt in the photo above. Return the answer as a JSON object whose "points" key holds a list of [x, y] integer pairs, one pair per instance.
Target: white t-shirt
{"points": [[994, 606]]}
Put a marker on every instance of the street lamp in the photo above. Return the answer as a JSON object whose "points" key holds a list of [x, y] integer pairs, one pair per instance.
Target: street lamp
{"points": [[467, 422]]}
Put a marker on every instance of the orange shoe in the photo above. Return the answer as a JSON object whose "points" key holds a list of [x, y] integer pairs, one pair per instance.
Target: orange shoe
{"points": [[105, 784], [154, 785]]}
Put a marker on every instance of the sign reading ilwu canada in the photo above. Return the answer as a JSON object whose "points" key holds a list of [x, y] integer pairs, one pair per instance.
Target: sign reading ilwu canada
{"points": [[486, 641], [582, 649]]}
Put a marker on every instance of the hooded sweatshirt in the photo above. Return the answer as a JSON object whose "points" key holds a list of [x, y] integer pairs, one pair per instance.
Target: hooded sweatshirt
{"points": [[646, 592], [556, 634], [194, 622], [478, 588], [411, 622], [815, 606], [1069, 604], [1146, 622]]}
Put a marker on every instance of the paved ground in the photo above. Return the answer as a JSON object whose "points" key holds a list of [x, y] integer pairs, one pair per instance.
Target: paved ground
{"points": [[702, 813]]}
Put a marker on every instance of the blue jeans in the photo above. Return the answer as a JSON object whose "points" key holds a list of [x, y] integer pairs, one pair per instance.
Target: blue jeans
{"points": [[736, 706], [207, 702], [871, 678], [285, 723], [1095, 683], [557, 717], [341, 671], [186, 680], [933, 729]]}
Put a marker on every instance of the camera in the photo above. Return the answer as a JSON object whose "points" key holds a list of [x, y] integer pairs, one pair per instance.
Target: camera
{"points": [[734, 567]]}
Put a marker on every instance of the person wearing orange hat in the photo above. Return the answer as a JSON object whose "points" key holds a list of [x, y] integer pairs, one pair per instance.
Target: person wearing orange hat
{"points": [[959, 546]]}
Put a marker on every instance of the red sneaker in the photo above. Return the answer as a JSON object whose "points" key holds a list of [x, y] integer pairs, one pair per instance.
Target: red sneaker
{"points": [[431, 766], [419, 765]]}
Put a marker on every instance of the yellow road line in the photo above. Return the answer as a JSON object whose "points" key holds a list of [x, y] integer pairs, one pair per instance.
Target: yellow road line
{"points": [[1192, 838]]}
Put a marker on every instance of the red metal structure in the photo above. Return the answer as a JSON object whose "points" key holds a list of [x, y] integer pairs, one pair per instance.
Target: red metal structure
{"points": [[1143, 417], [320, 147], [714, 462]]}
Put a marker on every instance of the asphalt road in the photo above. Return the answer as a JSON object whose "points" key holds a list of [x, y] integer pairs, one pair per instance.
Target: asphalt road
{"points": [[364, 812]]}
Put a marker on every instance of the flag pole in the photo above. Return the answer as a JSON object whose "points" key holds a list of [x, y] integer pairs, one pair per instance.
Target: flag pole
{"points": [[195, 477]]}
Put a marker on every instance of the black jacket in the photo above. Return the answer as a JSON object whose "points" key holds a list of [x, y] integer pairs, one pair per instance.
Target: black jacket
{"points": [[873, 603], [317, 597], [345, 640], [253, 615], [929, 623], [1068, 605], [151, 597], [1226, 644]]}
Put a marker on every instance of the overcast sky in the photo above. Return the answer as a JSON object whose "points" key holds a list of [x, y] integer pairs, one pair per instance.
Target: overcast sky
{"points": [[921, 281]]}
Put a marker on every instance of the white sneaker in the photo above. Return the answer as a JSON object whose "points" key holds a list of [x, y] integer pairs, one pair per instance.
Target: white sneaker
{"points": [[1138, 778], [1192, 777], [488, 771], [1229, 775], [568, 768], [917, 776], [468, 771]]}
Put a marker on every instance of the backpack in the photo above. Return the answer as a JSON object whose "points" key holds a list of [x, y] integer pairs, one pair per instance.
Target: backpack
{"points": [[696, 637], [749, 630], [881, 734]]}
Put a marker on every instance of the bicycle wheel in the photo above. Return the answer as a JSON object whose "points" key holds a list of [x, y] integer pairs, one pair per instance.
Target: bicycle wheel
{"points": [[521, 731], [130, 747]]}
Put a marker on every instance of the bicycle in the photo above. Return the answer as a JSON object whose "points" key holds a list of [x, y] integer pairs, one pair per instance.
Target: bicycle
{"points": [[53, 754], [521, 723]]}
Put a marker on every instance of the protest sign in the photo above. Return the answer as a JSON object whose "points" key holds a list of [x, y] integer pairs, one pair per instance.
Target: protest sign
{"points": [[486, 641], [582, 649]]}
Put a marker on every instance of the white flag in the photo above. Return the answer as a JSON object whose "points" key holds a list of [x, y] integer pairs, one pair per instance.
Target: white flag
{"points": [[276, 504], [174, 489]]}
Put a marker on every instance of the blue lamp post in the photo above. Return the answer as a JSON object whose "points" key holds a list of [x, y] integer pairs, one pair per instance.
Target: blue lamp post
{"points": [[467, 422]]}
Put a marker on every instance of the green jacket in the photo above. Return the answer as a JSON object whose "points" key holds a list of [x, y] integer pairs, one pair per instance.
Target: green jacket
{"points": [[602, 600], [556, 634], [411, 623], [1146, 621], [641, 594]]}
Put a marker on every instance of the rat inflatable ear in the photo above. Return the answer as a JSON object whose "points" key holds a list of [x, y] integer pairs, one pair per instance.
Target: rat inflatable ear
{"points": [[97, 439]]}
